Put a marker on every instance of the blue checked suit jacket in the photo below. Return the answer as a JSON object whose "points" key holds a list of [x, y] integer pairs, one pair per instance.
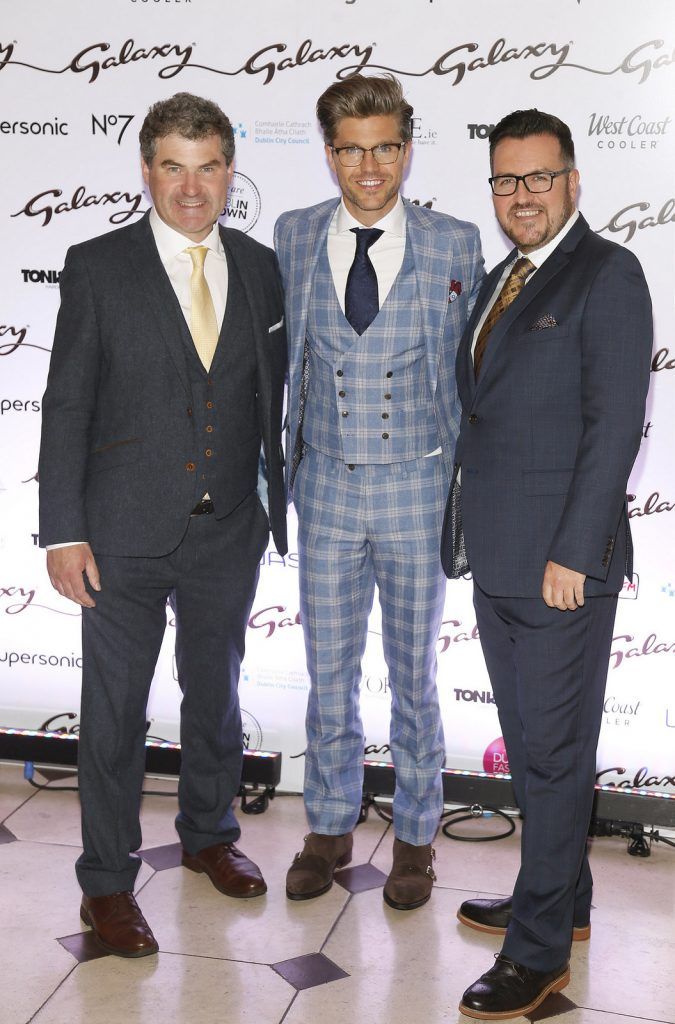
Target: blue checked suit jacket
{"points": [[449, 269]]}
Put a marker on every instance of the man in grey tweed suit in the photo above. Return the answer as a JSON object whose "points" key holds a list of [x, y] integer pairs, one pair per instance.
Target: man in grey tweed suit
{"points": [[377, 295], [166, 380]]}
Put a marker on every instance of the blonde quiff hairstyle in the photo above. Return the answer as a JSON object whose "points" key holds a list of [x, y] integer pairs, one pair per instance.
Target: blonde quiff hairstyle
{"points": [[363, 96]]}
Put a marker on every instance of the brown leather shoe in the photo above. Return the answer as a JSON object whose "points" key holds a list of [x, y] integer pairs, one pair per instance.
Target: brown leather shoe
{"points": [[312, 870], [118, 924], [229, 869], [411, 877]]}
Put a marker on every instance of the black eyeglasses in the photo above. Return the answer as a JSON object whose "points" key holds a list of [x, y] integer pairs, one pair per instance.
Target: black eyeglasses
{"points": [[384, 153], [537, 181]]}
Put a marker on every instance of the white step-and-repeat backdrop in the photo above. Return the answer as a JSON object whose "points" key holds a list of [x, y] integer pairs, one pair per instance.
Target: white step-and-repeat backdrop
{"points": [[76, 79]]}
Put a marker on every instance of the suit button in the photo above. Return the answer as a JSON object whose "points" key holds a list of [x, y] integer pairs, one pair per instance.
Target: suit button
{"points": [[385, 415], [208, 453], [345, 413], [340, 373], [209, 405], [473, 418], [389, 373], [342, 394], [189, 412], [387, 396], [190, 466], [385, 436], [351, 466], [209, 429]]}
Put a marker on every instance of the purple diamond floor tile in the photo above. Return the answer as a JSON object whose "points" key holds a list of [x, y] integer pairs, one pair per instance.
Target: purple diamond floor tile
{"points": [[6, 836], [361, 878], [554, 1006], [162, 857], [83, 946], [307, 971]]}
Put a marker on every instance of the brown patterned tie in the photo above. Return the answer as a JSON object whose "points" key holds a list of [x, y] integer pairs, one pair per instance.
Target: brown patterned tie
{"points": [[203, 322], [511, 289]]}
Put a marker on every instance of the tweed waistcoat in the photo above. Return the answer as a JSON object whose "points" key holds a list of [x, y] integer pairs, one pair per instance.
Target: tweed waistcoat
{"points": [[223, 411], [369, 399]]}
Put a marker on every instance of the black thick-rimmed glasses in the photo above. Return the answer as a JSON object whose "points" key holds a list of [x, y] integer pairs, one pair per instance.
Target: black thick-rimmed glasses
{"points": [[537, 181], [384, 153]]}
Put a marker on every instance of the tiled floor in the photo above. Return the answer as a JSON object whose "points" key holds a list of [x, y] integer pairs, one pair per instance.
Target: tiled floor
{"points": [[345, 958]]}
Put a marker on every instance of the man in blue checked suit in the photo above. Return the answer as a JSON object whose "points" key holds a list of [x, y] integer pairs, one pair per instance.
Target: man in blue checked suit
{"points": [[377, 294], [553, 372]]}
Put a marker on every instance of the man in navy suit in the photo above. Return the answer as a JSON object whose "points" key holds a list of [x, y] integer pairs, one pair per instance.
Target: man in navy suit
{"points": [[553, 372], [166, 381]]}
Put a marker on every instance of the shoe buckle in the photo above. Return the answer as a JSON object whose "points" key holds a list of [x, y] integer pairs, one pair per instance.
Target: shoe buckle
{"points": [[431, 873]]}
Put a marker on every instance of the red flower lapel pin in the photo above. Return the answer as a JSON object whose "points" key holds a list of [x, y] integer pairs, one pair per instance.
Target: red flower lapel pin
{"points": [[454, 290]]}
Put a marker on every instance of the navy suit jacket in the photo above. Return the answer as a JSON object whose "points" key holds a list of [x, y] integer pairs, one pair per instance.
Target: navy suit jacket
{"points": [[117, 456], [550, 430]]}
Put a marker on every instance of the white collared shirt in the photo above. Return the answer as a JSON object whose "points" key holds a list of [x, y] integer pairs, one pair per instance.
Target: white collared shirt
{"points": [[386, 254], [171, 246], [538, 257]]}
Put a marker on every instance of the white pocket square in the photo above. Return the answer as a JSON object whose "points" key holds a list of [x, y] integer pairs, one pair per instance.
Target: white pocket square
{"points": [[275, 327]]}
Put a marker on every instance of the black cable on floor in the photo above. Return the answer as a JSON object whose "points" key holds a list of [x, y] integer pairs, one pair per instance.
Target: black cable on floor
{"points": [[473, 813]]}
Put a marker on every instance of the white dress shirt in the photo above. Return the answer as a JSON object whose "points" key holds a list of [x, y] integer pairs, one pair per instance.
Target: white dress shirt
{"points": [[171, 246], [386, 254]]}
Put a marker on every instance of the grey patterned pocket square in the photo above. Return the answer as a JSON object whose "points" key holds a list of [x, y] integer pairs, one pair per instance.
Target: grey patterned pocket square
{"points": [[543, 323]]}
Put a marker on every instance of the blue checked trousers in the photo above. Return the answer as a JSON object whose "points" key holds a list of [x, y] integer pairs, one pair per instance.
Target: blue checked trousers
{"points": [[373, 524]]}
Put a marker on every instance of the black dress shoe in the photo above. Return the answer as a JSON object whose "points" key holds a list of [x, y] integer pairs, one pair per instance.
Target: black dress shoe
{"points": [[511, 990], [494, 915]]}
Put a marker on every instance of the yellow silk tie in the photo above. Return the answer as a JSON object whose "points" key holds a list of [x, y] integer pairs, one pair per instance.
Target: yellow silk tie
{"points": [[511, 289], [203, 322]]}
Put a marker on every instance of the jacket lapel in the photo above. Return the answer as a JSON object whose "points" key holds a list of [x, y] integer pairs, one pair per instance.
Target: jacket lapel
{"points": [[158, 293], [432, 269], [558, 259], [466, 381]]}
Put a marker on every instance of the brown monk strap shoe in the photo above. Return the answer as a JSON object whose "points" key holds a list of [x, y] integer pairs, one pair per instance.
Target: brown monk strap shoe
{"points": [[411, 877], [118, 924], [311, 872], [511, 990], [494, 915], [230, 870]]}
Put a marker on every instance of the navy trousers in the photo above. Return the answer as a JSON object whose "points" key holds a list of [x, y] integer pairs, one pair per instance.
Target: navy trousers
{"points": [[210, 581], [548, 671]]}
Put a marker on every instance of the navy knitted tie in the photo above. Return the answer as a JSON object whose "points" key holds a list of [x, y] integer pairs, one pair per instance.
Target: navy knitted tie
{"points": [[361, 298]]}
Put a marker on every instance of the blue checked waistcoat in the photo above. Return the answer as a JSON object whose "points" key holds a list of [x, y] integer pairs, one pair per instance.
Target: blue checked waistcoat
{"points": [[369, 399], [448, 270]]}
